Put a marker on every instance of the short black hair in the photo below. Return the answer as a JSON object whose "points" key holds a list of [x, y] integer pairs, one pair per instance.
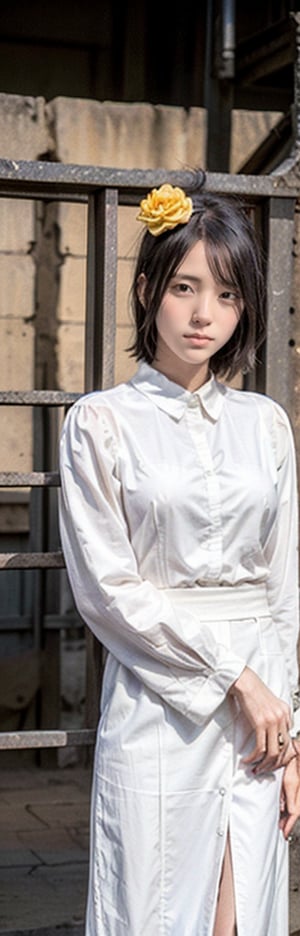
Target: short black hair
{"points": [[234, 257]]}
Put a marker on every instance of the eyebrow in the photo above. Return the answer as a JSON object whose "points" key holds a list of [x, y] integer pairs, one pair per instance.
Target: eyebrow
{"points": [[197, 279], [193, 279]]}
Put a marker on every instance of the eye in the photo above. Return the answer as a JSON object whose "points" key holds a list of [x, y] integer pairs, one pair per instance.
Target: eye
{"points": [[230, 295], [182, 288]]}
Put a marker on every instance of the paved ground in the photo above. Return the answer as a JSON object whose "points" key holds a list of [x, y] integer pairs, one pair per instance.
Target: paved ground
{"points": [[44, 834]]}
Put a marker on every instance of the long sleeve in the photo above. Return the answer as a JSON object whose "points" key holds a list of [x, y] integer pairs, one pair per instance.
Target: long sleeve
{"points": [[133, 619], [281, 550]]}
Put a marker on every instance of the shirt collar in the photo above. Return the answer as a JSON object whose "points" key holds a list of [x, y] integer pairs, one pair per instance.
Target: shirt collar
{"points": [[174, 399]]}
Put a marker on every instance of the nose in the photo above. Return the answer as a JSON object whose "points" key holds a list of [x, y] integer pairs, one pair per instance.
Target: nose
{"points": [[202, 313]]}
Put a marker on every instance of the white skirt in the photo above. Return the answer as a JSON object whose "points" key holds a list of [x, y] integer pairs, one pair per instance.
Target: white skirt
{"points": [[166, 793]]}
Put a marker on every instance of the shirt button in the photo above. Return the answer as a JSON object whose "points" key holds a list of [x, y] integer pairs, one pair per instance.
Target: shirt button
{"points": [[220, 832], [193, 402], [222, 791]]}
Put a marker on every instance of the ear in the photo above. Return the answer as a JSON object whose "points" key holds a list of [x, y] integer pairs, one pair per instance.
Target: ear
{"points": [[141, 288]]}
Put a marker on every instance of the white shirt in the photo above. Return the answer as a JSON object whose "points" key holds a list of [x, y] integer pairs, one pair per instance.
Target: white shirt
{"points": [[164, 488]]}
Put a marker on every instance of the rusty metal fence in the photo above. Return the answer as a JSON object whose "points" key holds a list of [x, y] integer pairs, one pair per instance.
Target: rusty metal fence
{"points": [[273, 201]]}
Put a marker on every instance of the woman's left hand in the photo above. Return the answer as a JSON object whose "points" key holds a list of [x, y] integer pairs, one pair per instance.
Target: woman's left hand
{"points": [[290, 794]]}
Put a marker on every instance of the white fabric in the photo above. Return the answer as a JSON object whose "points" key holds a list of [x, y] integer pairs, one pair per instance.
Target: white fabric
{"points": [[164, 490]]}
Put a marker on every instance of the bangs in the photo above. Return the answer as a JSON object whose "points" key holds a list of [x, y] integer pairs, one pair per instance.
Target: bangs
{"points": [[222, 264]]}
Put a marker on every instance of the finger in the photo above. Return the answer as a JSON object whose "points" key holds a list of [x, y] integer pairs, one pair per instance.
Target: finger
{"points": [[255, 757], [283, 736], [280, 751], [287, 824], [259, 752], [289, 818], [282, 803], [290, 799], [267, 765], [289, 719], [275, 746], [272, 763], [277, 741], [288, 754]]}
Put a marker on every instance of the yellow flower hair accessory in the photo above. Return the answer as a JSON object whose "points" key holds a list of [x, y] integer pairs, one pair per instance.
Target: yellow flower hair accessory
{"points": [[164, 208]]}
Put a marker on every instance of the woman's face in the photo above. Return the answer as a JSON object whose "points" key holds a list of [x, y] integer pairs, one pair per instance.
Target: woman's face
{"points": [[196, 318]]}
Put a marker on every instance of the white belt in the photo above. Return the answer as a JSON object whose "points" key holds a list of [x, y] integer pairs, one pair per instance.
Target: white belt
{"points": [[222, 602]]}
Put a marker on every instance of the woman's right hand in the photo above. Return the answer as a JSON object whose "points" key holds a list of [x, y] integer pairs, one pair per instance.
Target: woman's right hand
{"points": [[290, 795], [270, 717]]}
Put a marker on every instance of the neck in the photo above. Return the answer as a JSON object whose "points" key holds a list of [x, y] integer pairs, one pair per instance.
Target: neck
{"points": [[189, 378]]}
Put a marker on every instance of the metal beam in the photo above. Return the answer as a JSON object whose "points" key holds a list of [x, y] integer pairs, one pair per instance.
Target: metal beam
{"points": [[279, 283], [20, 740], [101, 290], [26, 179], [37, 398], [29, 479], [265, 52], [32, 560]]}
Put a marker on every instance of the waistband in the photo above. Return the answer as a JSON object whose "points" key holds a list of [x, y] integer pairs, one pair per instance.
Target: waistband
{"points": [[222, 602]]}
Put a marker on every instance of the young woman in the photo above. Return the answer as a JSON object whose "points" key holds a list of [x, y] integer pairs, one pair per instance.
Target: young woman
{"points": [[178, 525]]}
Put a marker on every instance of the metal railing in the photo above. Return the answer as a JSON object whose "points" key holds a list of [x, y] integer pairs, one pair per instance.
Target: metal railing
{"points": [[104, 190]]}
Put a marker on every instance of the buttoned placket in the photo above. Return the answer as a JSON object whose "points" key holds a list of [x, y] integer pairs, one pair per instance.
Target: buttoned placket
{"points": [[195, 420]]}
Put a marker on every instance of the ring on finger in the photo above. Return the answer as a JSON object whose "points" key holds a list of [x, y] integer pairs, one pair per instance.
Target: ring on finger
{"points": [[281, 741]]}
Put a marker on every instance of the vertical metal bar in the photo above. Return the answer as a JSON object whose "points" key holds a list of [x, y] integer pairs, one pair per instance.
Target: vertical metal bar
{"points": [[45, 642], [36, 543], [296, 106], [101, 289], [255, 379], [51, 672], [279, 282], [99, 365], [228, 39], [218, 95]]}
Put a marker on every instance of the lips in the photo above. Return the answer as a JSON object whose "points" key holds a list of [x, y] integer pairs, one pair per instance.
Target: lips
{"points": [[197, 337]]}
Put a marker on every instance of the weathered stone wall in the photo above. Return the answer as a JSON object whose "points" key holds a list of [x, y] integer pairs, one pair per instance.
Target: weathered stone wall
{"points": [[23, 134], [23, 131]]}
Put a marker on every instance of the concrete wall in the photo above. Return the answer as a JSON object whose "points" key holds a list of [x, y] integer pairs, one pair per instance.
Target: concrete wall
{"points": [[23, 132]]}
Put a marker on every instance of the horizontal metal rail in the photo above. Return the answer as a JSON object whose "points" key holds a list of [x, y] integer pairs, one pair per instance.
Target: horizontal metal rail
{"points": [[38, 560], [14, 740], [38, 179], [29, 479], [37, 398]]}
